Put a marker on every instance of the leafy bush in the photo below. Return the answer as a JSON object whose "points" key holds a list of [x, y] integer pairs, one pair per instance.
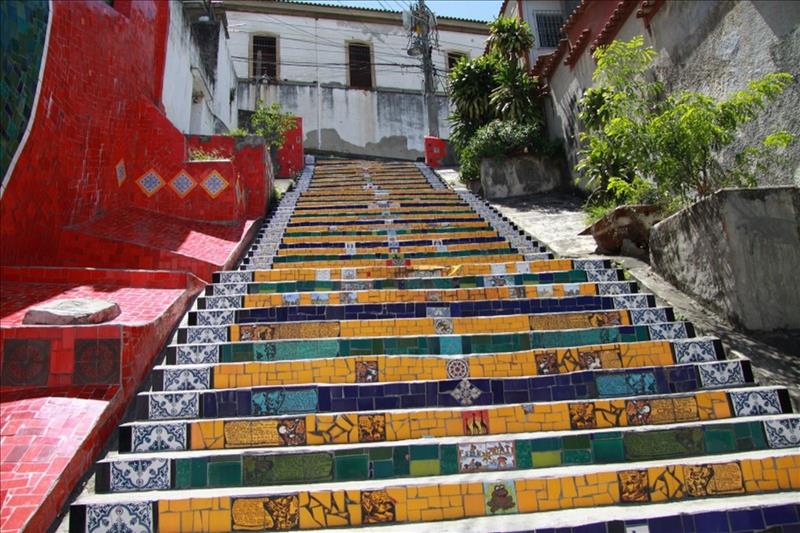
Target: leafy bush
{"points": [[200, 154], [510, 38], [640, 146], [271, 123], [500, 139], [238, 132], [471, 83]]}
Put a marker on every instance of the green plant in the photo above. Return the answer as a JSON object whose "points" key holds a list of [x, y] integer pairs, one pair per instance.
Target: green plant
{"points": [[510, 38], [500, 139], [200, 154], [271, 123], [238, 132], [471, 83], [640, 146], [516, 96]]}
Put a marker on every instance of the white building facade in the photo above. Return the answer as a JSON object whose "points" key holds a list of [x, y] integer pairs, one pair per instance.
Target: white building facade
{"points": [[345, 71], [545, 17]]}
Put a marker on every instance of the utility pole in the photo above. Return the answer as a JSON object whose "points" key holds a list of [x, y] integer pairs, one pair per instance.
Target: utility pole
{"points": [[425, 20]]}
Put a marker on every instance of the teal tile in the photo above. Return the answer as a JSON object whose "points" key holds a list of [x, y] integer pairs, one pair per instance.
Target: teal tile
{"points": [[608, 451], [400, 458], [522, 452], [183, 473], [719, 441], [449, 458], [577, 457], [225, 474], [577, 442], [546, 445], [426, 451], [380, 453], [200, 476]]}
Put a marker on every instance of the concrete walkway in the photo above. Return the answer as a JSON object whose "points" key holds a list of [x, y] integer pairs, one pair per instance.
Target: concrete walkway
{"points": [[555, 220]]}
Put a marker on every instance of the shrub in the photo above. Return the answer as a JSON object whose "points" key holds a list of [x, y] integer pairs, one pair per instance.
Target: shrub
{"points": [[500, 139], [271, 123]]}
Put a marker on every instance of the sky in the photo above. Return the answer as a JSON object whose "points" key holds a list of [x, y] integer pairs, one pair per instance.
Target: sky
{"points": [[470, 9]]}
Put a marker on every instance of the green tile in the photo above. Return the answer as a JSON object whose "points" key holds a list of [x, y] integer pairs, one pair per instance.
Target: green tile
{"points": [[719, 441], [379, 453], [400, 456], [225, 474], [608, 451], [577, 442], [183, 473], [383, 469], [543, 459], [200, 477], [577, 457], [424, 467], [449, 458], [757, 432], [546, 445], [426, 451], [352, 467], [522, 452]]}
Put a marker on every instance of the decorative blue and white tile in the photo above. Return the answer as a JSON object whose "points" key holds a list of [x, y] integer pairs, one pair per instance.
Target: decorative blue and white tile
{"points": [[214, 184], [120, 518], [721, 374], [196, 355], [498, 269], [150, 182], [667, 331], [443, 326], [648, 315], [613, 288], [465, 392], [290, 298], [177, 379], [588, 264], [783, 433], [320, 298], [165, 406], [537, 257], [158, 437], [348, 297], [694, 350], [755, 402], [356, 285], [182, 183], [630, 301], [572, 289], [216, 317], [438, 312], [516, 292], [223, 302], [230, 289], [206, 334], [544, 291], [523, 267], [348, 273], [234, 276], [457, 368], [601, 275], [323, 274], [139, 474]]}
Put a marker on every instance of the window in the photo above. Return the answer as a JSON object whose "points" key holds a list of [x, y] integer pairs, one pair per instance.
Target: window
{"points": [[265, 57], [549, 26], [359, 59], [453, 58]]}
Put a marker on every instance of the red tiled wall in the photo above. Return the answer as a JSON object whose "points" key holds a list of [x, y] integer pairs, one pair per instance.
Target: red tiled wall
{"points": [[290, 155], [99, 127]]}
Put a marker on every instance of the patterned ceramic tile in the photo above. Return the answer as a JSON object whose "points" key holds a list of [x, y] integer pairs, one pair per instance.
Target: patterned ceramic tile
{"points": [[323, 274], [601, 275], [214, 184], [206, 334], [498, 269], [783, 433], [176, 379], [230, 289], [694, 350], [196, 355], [457, 368], [500, 497], [182, 183], [223, 302], [173, 405], [216, 317], [140, 474], [120, 172], [465, 392], [366, 371], [721, 374], [25, 362], [588, 264], [486, 456], [614, 288], [158, 437], [668, 331], [630, 301], [437, 312], [150, 182], [649, 315], [120, 517], [236, 277], [755, 402], [443, 326]]}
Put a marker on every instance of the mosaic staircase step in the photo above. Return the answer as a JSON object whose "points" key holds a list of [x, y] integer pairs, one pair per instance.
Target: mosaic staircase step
{"points": [[364, 292], [464, 282], [586, 385], [404, 271], [371, 322], [195, 367], [355, 427], [439, 457], [437, 498], [278, 350]]}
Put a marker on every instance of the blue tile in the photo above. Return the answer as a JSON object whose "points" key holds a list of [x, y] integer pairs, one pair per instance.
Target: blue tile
{"points": [[746, 519], [665, 524], [781, 514], [713, 522]]}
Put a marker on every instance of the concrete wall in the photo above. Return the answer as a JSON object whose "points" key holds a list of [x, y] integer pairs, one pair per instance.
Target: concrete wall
{"points": [[380, 123], [518, 176], [211, 109], [739, 252], [711, 46]]}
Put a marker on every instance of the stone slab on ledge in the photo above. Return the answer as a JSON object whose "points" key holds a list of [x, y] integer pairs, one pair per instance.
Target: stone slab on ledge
{"points": [[72, 311]]}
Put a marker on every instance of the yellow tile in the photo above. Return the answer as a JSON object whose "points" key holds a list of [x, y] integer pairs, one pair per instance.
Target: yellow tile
{"points": [[474, 505]]}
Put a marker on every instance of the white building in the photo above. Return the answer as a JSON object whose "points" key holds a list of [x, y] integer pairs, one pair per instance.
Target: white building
{"points": [[545, 18], [345, 71]]}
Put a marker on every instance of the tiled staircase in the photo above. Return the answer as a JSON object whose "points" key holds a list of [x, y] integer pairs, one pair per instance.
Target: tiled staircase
{"points": [[393, 352]]}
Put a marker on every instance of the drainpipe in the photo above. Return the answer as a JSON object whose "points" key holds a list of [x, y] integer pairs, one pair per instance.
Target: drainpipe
{"points": [[319, 90]]}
